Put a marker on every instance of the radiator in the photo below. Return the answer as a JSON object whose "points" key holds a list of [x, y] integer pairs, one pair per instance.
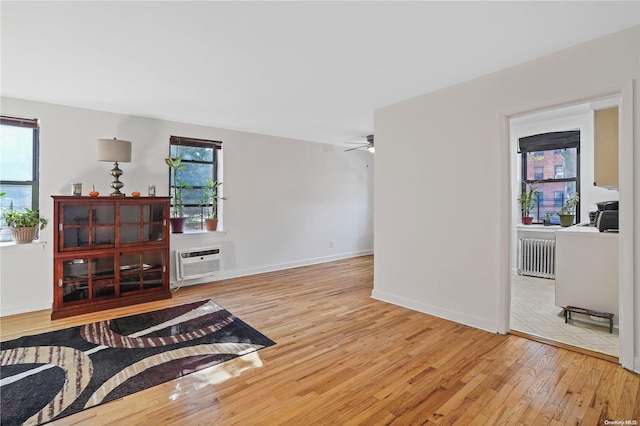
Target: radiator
{"points": [[198, 263], [537, 258]]}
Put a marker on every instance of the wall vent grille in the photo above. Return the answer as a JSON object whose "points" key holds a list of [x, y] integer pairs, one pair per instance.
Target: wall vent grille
{"points": [[198, 263]]}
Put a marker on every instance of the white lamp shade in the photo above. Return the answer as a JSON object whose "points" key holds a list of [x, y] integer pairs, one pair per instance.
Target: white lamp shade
{"points": [[113, 150]]}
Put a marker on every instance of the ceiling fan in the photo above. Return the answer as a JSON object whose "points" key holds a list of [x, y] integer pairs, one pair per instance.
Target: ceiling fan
{"points": [[368, 145]]}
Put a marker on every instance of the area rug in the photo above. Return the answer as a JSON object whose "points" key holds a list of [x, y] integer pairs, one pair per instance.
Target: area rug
{"points": [[52, 375]]}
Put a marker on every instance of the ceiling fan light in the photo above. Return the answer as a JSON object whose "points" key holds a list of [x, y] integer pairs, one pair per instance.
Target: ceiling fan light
{"points": [[371, 149]]}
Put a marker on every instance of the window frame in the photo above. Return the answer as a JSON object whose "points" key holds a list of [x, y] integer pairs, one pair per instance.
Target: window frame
{"points": [[196, 143]]}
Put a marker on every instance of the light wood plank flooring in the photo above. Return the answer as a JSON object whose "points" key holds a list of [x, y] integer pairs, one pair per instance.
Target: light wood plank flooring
{"points": [[343, 358]]}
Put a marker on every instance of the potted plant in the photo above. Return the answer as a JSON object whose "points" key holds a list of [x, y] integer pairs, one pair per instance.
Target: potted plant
{"points": [[210, 202], [24, 225], [527, 203], [177, 220], [567, 211]]}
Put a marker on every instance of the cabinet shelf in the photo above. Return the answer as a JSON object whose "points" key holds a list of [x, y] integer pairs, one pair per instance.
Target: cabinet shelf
{"points": [[109, 252]]}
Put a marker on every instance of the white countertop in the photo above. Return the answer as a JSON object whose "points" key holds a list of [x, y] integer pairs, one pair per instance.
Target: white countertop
{"points": [[587, 231]]}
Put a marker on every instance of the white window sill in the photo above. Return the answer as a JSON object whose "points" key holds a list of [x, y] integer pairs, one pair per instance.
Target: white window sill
{"points": [[10, 246], [198, 233]]}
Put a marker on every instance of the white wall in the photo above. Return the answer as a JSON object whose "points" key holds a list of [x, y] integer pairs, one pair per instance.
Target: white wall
{"points": [[443, 196], [287, 200]]}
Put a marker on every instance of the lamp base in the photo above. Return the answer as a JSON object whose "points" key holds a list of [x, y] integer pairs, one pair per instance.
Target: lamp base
{"points": [[116, 184]]}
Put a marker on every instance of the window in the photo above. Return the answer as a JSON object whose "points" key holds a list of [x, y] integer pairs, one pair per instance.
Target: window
{"points": [[558, 198], [18, 165], [551, 163], [538, 172], [558, 172], [201, 160]]}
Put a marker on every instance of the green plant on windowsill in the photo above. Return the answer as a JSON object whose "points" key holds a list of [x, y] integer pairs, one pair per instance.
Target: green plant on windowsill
{"points": [[210, 202], [527, 203], [24, 225], [175, 164], [178, 220], [567, 211]]}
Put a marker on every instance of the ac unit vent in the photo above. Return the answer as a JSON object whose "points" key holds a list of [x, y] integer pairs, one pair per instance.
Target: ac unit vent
{"points": [[197, 263]]}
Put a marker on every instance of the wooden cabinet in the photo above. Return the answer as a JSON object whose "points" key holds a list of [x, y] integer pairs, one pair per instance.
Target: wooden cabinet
{"points": [[109, 252], [606, 147]]}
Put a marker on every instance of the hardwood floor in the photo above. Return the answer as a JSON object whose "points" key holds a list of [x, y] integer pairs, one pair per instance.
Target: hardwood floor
{"points": [[343, 358]]}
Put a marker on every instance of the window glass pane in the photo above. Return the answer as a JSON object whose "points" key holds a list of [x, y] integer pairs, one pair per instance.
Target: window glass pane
{"points": [[18, 197], [195, 174], [192, 153], [16, 153], [550, 198], [192, 196], [552, 164]]}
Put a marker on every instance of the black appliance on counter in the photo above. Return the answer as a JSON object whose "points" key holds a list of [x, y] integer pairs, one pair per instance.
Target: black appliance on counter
{"points": [[607, 216]]}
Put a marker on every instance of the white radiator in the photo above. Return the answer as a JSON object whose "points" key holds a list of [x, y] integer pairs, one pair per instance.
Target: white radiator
{"points": [[537, 258], [196, 263]]}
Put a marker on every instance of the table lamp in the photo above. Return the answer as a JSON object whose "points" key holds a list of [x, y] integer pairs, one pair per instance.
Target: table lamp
{"points": [[117, 151]]}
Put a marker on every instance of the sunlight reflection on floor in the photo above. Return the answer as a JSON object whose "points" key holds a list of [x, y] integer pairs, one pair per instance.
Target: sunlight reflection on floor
{"points": [[220, 373]]}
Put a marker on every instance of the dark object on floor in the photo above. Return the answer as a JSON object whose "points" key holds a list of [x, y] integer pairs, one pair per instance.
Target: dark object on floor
{"points": [[607, 315]]}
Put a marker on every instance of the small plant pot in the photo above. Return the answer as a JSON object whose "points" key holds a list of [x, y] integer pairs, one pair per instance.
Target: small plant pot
{"points": [[177, 225], [211, 224], [527, 220], [566, 220], [24, 235]]}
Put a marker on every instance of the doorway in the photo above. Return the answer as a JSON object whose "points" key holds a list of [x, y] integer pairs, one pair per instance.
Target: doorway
{"points": [[533, 310]]}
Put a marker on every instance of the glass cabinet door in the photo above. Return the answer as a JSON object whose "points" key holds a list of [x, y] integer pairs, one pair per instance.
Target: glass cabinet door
{"points": [[86, 225], [141, 271], [141, 223], [87, 278], [153, 271], [130, 224]]}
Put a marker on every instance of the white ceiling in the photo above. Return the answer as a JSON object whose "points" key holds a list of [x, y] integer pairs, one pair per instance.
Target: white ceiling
{"points": [[304, 70]]}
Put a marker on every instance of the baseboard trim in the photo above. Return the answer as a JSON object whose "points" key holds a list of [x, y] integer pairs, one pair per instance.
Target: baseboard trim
{"points": [[436, 311], [237, 273], [23, 309]]}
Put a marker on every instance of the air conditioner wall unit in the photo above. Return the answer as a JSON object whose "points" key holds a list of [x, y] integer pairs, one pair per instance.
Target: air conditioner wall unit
{"points": [[198, 263]]}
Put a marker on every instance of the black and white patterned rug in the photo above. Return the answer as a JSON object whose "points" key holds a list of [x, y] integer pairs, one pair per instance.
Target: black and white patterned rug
{"points": [[48, 376]]}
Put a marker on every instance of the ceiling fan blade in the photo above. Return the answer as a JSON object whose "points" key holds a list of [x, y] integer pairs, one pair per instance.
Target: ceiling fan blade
{"points": [[357, 147]]}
